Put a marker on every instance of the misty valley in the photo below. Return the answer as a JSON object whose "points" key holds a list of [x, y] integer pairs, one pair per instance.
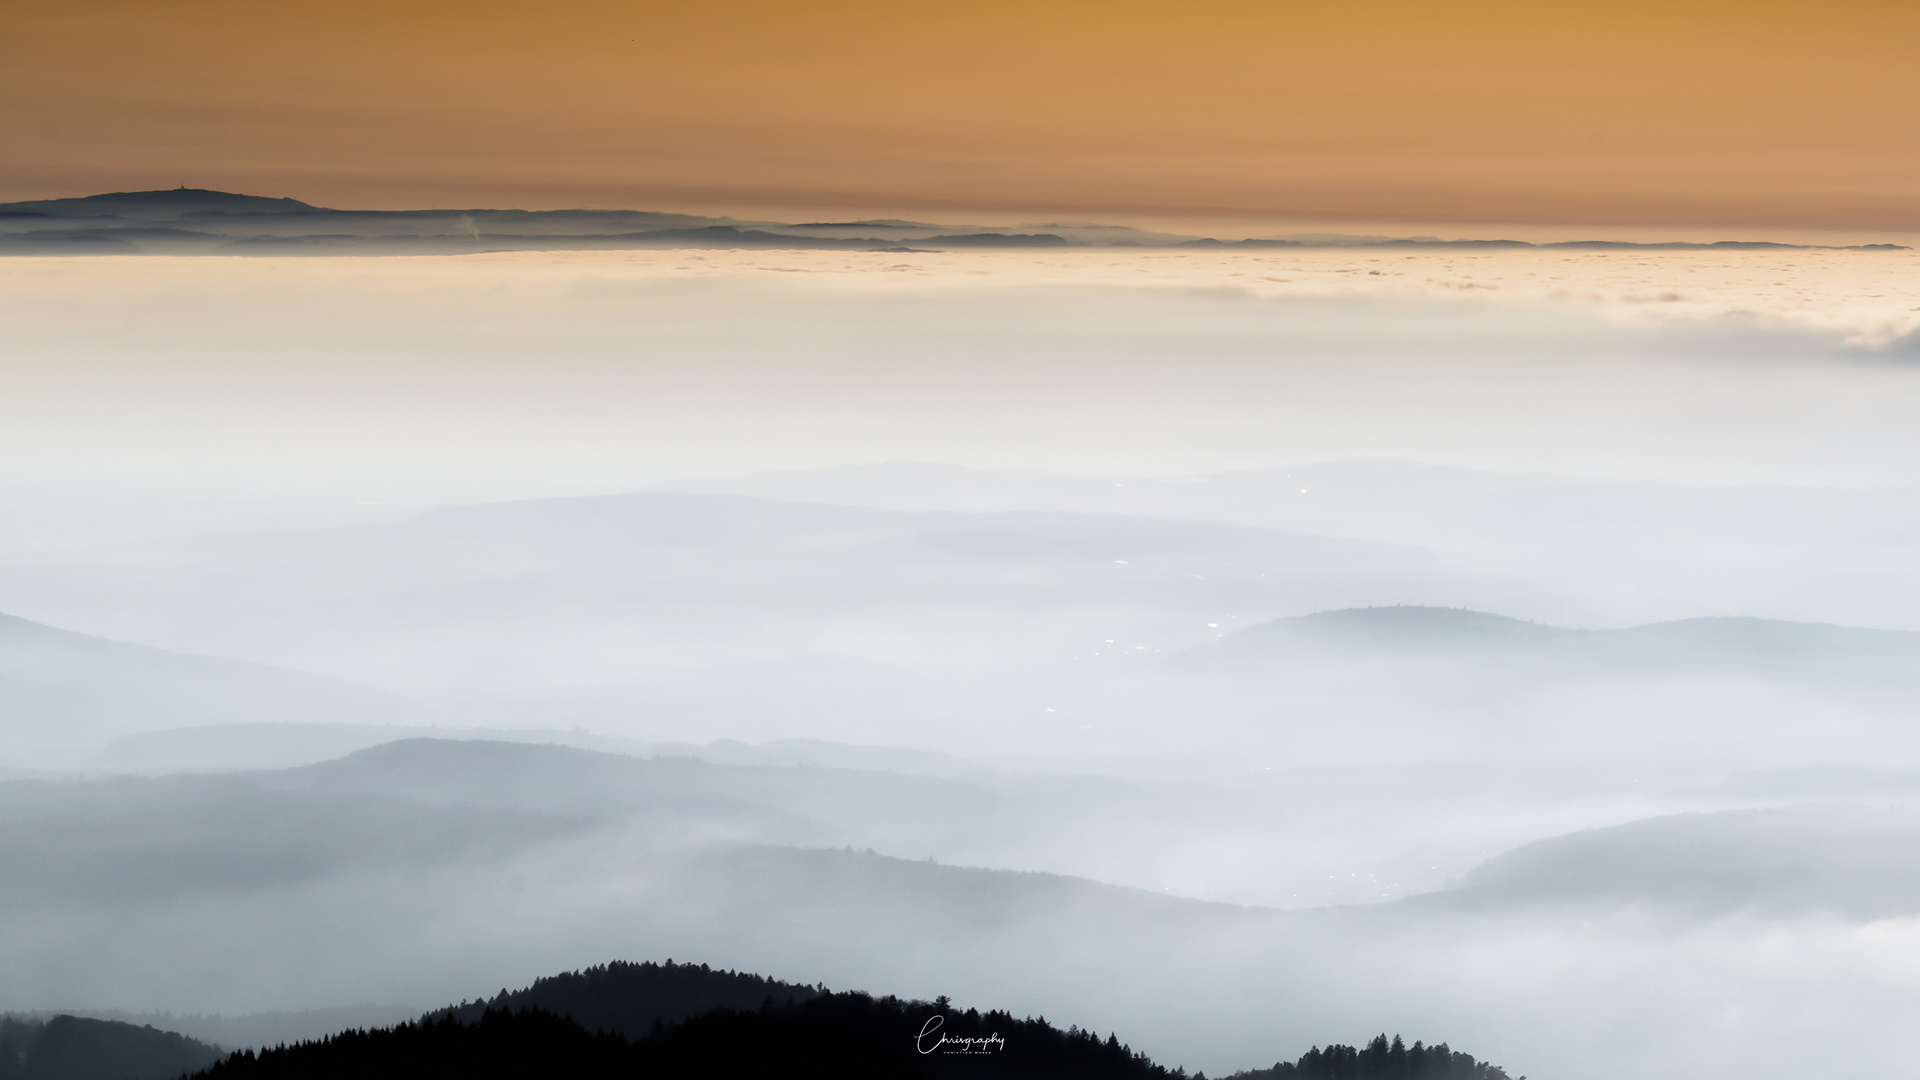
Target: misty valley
{"points": [[1041, 755], [1375, 687], [747, 540]]}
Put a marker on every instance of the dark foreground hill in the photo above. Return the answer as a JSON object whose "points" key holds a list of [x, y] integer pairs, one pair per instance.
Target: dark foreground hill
{"points": [[73, 1048], [842, 1034], [544, 1031]]}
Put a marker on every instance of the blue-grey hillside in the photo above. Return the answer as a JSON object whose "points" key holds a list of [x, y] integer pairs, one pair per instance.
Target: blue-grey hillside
{"points": [[78, 1048], [434, 871], [65, 695], [414, 873], [249, 1030], [1835, 860], [1839, 679], [1772, 646], [436, 803], [1088, 825]]}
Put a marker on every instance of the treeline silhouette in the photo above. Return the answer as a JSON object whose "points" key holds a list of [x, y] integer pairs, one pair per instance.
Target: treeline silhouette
{"points": [[529, 1043], [1380, 1060], [629, 999], [853, 1034], [847, 1034], [682, 1020], [77, 1048]]}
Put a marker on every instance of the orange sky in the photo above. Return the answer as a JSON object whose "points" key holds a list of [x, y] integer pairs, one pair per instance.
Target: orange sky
{"points": [[1749, 116]]}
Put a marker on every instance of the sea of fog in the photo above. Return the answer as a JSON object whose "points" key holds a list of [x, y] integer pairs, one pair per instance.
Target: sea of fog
{"points": [[1523, 655]]}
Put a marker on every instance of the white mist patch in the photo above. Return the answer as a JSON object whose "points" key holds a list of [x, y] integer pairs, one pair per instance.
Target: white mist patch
{"points": [[462, 379]]}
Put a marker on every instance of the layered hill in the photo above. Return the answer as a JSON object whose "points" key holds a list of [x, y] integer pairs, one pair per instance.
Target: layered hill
{"points": [[75, 1048], [62, 693], [423, 871], [1833, 860], [1732, 643]]}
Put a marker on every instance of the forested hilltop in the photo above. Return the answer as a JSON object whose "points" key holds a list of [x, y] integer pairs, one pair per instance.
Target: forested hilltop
{"points": [[675, 1020], [633, 999], [1380, 1060]]}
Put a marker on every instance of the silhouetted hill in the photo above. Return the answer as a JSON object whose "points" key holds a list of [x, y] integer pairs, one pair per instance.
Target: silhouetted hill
{"points": [[854, 1035], [630, 999], [170, 203], [845, 1035], [253, 225], [504, 1045], [72, 1048], [848, 1035], [701, 1026]]}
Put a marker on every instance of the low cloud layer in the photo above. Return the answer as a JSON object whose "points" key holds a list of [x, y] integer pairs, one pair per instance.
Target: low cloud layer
{"points": [[1273, 653], [447, 869]]}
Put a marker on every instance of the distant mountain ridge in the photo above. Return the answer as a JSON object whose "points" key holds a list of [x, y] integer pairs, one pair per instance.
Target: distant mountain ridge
{"points": [[162, 204], [217, 221]]}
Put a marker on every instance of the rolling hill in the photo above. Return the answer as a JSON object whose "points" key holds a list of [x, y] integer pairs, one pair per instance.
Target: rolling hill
{"points": [[76, 1048], [65, 695], [1836, 860], [1745, 642]]}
